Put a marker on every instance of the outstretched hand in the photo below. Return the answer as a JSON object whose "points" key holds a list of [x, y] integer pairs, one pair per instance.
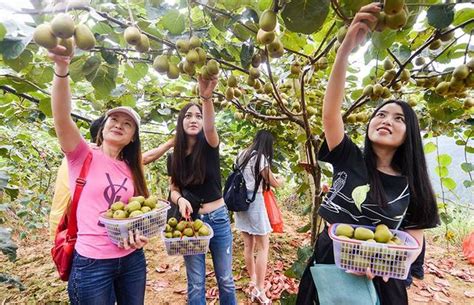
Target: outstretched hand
{"points": [[60, 60], [206, 86], [360, 26]]}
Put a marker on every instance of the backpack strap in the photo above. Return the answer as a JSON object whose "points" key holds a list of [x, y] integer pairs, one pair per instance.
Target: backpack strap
{"points": [[80, 182], [241, 167]]}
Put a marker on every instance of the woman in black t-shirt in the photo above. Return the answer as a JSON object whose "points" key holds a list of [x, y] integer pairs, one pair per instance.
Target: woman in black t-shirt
{"points": [[195, 177], [392, 163]]}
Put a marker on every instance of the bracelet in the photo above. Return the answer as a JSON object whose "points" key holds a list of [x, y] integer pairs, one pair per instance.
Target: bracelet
{"points": [[61, 76], [206, 98], [177, 200]]}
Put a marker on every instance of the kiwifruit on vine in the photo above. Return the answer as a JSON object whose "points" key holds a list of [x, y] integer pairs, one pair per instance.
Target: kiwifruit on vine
{"points": [[460, 80], [62, 31]]}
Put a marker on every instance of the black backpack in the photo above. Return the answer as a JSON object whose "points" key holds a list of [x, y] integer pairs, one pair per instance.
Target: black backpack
{"points": [[235, 190]]}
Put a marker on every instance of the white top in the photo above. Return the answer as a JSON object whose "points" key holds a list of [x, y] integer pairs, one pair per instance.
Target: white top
{"points": [[249, 176]]}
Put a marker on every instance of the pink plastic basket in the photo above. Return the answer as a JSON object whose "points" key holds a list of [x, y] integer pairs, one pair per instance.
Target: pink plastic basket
{"points": [[383, 259], [188, 245]]}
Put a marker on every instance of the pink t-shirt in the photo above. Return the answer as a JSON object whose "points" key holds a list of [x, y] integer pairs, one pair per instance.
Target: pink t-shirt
{"points": [[108, 181]]}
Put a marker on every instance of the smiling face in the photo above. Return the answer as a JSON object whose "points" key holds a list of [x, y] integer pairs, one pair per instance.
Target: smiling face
{"points": [[192, 122], [387, 127], [119, 129]]}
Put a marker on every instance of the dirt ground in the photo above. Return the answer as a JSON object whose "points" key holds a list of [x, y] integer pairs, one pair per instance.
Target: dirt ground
{"points": [[448, 277]]}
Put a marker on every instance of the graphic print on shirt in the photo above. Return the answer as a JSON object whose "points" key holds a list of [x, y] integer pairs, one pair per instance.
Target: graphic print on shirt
{"points": [[336, 191], [111, 192]]}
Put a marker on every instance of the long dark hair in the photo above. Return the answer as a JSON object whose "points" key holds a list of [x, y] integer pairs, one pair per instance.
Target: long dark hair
{"points": [[410, 160], [132, 155], [263, 146], [195, 174]]}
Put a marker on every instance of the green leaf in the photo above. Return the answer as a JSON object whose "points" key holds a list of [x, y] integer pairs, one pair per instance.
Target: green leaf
{"points": [[444, 160], [433, 98], [463, 15], [128, 100], [305, 16], [441, 171], [383, 40], [92, 65], [445, 218], [359, 194], [467, 167], [429, 147], [173, 21], [135, 71], [440, 16], [246, 53], [304, 228], [449, 183], [45, 107], [3, 31], [468, 183], [11, 49], [21, 61], [75, 68], [103, 81]]}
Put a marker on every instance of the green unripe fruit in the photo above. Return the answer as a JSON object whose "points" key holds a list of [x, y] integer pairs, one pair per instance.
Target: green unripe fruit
{"points": [[151, 202], [254, 73], [268, 20], [192, 57], [119, 205], [393, 6], [132, 35], [232, 81], [172, 222], [143, 44], [43, 36], [268, 88], [461, 72], [419, 61], [194, 42], [140, 199], [135, 214], [188, 232], [84, 38], [173, 71], [434, 45], [182, 45], [396, 21], [265, 37], [119, 214], [63, 26], [344, 230], [181, 225], [133, 206], [213, 67], [145, 209], [368, 90], [361, 233], [229, 93], [387, 64], [204, 231], [177, 234], [161, 64], [382, 235]]}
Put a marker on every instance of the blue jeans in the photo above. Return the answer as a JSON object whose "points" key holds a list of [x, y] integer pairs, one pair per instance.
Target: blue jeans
{"points": [[221, 251], [104, 281]]}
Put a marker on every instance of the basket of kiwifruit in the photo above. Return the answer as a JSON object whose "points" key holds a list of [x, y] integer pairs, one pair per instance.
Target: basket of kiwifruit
{"points": [[387, 252]]}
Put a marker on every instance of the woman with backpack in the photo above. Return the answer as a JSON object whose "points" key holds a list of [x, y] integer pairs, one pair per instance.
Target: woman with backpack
{"points": [[196, 189], [102, 272], [392, 163], [255, 163]]}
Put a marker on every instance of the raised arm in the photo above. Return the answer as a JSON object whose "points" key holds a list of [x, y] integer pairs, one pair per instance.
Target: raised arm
{"points": [[332, 104], [156, 153], [208, 114], [66, 130]]}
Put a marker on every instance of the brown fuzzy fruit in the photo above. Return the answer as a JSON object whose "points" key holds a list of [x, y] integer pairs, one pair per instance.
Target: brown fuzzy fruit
{"points": [[43, 36], [62, 26]]}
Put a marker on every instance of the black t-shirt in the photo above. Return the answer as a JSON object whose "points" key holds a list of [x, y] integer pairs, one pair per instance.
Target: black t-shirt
{"points": [[211, 189], [350, 172]]}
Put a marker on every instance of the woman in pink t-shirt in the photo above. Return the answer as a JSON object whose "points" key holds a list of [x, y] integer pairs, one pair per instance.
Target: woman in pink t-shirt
{"points": [[102, 273]]}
